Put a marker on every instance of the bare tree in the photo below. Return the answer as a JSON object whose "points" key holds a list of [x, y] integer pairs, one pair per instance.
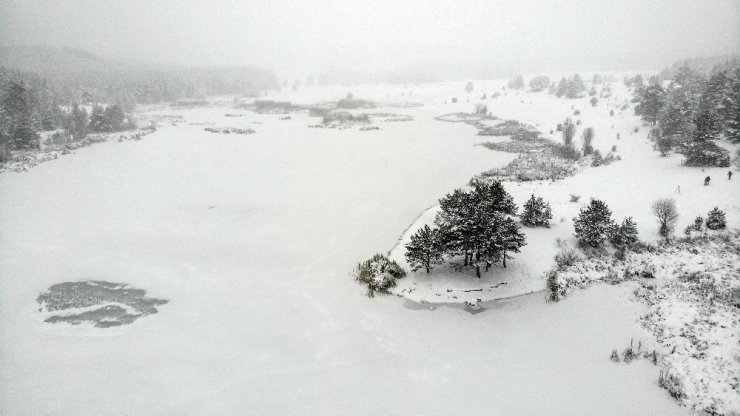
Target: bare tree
{"points": [[665, 211]]}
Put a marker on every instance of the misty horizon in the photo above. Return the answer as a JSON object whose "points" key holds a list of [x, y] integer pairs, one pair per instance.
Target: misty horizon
{"points": [[472, 39]]}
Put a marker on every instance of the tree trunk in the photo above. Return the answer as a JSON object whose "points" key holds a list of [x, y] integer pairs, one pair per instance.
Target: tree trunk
{"points": [[477, 270], [504, 258]]}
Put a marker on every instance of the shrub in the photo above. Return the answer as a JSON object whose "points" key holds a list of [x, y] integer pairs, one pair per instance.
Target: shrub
{"points": [[469, 87], [481, 109], [553, 286], [349, 103], [559, 127], [610, 157], [611, 113], [577, 112], [537, 213], [716, 219], [673, 384], [598, 159], [566, 256], [454, 100], [574, 198], [594, 101], [379, 274], [614, 148], [594, 224], [578, 122], [318, 112]]}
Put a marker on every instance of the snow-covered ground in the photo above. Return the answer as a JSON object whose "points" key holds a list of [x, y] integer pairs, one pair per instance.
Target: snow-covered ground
{"points": [[251, 239], [628, 186]]}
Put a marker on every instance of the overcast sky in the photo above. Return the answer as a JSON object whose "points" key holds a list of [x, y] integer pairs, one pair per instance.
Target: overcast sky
{"points": [[318, 34]]}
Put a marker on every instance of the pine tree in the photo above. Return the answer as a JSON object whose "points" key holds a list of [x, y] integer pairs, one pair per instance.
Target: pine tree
{"points": [[77, 124], [598, 159], [114, 116], [676, 116], [504, 236], [651, 102], [575, 86], [516, 83], [478, 224], [21, 125], [562, 88], [98, 122], [537, 213], [425, 249], [732, 116], [716, 219], [624, 235], [593, 224]]}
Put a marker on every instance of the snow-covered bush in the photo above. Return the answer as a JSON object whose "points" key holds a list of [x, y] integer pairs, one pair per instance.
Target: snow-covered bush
{"points": [[379, 274], [566, 256], [536, 213], [695, 227], [716, 219]]}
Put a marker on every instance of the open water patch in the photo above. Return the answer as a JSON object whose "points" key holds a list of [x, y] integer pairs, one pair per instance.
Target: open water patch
{"points": [[103, 304]]}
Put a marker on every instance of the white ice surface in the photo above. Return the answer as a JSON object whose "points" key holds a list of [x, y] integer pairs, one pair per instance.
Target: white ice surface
{"points": [[251, 239]]}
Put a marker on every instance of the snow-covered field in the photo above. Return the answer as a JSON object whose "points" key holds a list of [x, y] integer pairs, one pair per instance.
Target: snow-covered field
{"points": [[251, 239]]}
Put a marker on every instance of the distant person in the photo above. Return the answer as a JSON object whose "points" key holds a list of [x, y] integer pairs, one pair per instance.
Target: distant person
{"points": [[729, 175], [678, 189], [706, 180]]}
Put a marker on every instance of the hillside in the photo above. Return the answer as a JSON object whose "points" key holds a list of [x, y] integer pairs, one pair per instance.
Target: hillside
{"points": [[78, 75]]}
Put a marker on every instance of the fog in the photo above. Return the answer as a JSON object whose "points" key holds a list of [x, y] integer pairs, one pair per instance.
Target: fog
{"points": [[307, 37]]}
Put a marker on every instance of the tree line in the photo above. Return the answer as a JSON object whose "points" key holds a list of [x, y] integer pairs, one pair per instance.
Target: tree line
{"points": [[692, 111]]}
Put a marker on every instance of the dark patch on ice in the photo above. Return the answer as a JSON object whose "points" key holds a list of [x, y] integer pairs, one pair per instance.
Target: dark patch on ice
{"points": [[102, 303], [470, 308]]}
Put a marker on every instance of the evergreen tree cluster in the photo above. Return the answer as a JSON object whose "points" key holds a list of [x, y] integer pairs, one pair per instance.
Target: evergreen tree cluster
{"points": [[539, 83], [477, 224], [107, 119], [516, 83], [572, 87], [693, 110], [594, 227]]}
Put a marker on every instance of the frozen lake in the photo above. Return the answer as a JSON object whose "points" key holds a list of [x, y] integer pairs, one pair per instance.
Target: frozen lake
{"points": [[252, 240]]}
